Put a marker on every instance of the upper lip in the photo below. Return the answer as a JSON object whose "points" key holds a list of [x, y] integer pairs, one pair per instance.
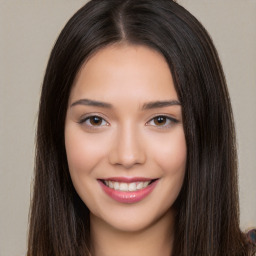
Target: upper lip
{"points": [[128, 179]]}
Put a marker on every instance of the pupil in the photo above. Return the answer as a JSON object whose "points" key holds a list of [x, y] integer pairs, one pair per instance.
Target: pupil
{"points": [[160, 120], [95, 120]]}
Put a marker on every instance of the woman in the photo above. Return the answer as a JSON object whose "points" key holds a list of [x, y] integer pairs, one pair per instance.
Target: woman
{"points": [[135, 142]]}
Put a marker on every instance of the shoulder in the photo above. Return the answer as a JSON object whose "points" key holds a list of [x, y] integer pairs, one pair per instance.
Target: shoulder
{"points": [[251, 235], [251, 238]]}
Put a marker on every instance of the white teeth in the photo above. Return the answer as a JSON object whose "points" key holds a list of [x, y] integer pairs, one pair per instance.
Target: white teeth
{"points": [[132, 186], [145, 184], [110, 184], [140, 185], [122, 186], [116, 185]]}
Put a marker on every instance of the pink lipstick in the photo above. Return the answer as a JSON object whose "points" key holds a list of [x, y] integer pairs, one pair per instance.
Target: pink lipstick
{"points": [[128, 189]]}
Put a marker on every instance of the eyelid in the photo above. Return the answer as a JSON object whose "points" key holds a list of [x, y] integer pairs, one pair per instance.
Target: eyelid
{"points": [[88, 116], [170, 118]]}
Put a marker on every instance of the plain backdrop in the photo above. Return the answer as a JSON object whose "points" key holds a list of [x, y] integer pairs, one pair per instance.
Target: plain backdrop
{"points": [[28, 30]]}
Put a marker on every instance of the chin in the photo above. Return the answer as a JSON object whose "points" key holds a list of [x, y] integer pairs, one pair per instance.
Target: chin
{"points": [[134, 220], [131, 225]]}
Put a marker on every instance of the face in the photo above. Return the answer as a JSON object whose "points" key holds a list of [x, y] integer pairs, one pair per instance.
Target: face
{"points": [[124, 137]]}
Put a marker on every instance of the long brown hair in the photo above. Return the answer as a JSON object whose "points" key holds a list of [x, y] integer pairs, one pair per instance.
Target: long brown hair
{"points": [[207, 222]]}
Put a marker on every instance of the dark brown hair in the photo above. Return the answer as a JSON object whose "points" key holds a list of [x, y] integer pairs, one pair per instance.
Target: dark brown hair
{"points": [[207, 222]]}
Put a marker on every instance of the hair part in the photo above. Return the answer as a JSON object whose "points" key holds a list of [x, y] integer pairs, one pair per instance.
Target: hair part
{"points": [[208, 212]]}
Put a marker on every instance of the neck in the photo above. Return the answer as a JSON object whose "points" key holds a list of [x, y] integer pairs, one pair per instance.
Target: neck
{"points": [[157, 239]]}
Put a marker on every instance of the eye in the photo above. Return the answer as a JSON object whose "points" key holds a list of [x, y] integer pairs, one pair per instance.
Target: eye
{"points": [[162, 121], [94, 121]]}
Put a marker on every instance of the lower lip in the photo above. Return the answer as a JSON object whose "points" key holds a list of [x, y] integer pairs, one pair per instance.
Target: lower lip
{"points": [[128, 197]]}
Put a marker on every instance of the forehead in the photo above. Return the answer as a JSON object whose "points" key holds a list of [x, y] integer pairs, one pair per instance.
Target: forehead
{"points": [[133, 71]]}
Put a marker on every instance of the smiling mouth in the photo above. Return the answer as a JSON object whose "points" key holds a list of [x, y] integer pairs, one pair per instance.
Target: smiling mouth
{"points": [[128, 190], [127, 186]]}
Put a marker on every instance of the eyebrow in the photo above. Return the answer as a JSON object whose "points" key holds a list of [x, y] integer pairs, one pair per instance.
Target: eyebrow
{"points": [[94, 103], [145, 106], [160, 104]]}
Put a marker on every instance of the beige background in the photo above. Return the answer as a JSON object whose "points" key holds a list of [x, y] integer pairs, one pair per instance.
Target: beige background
{"points": [[28, 29]]}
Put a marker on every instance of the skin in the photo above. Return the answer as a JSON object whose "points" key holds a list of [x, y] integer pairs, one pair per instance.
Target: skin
{"points": [[127, 141]]}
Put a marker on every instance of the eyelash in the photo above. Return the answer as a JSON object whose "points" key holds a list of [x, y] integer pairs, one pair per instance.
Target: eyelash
{"points": [[171, 121], [87, 118]]}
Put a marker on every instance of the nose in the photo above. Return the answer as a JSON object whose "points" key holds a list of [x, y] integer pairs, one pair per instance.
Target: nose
{"points": [[128, 149]]}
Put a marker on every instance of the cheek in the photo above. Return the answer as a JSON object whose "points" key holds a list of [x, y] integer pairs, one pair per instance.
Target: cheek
{"points": [[171, 157], [171, 153], [83, 152]]}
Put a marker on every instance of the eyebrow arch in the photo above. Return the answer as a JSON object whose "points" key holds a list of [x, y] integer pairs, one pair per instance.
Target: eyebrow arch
{"points": [[145, 106], [160, 104], [94, 103]]}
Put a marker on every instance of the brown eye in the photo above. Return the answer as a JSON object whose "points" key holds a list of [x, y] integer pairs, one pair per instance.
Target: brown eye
{"points": [[95, 120], [160, 120]]}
